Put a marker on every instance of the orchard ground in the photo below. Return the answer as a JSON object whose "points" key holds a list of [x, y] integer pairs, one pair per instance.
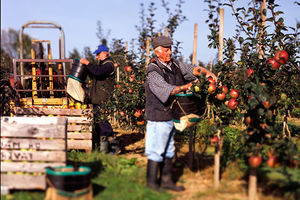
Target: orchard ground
{"points": [[122, 176], [198, 178]]}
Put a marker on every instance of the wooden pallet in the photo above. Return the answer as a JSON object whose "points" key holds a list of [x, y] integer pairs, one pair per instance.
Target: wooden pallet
{"points": [[79, 127], [28, 145]]}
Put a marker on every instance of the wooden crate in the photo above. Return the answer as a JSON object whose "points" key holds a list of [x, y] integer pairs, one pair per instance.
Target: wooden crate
{"points": [[28, 145], [79, 128]]}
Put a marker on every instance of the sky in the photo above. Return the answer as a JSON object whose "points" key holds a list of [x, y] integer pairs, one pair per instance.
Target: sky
{"points": [[78, 19]]}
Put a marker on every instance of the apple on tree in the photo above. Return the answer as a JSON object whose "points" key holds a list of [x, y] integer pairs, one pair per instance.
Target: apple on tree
{"points": [[232, 104], [266, 104], [138, 113], [140, 123], [211, 80], [281, 57], [250, 72], [128, 68], [234, 93], [214, 140], [272, 161], [131, 79], [224, 89], [221, 96], [255, 161], [273, 63], [122, 113], [212, 88]]}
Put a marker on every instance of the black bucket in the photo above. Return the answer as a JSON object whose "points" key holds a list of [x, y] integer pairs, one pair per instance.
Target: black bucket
{"points": [[186, 104], [68, 178], [78, 71]]}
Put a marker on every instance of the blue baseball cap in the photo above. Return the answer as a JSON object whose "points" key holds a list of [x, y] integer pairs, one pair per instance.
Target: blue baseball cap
{"points": [[101, 48]]}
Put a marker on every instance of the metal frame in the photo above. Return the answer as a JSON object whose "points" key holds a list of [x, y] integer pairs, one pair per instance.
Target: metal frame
{"points": [[22, 61], [42, 24]]}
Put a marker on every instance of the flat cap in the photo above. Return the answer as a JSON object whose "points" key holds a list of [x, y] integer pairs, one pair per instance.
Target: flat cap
{"points": [[161, 41]]}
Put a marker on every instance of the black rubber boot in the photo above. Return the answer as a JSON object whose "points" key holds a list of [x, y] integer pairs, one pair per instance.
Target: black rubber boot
{"points": [[103, 144], [152, 169], [166, 177], [114, 146]]}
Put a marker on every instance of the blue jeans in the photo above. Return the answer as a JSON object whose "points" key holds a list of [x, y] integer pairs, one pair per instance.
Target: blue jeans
{"points": [[159, 140]]}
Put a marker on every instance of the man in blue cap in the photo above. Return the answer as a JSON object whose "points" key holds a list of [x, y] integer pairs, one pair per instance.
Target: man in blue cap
{"points": [[103, 81]]}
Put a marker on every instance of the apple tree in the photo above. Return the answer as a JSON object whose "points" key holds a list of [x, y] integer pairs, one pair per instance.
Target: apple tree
{"points": [[262, 62]]}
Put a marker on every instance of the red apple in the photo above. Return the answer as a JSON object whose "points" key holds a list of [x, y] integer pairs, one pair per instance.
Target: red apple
{"points": [[214, 140], [130, 90], [250, 132], [234, 93], [232, 104], [273, 63], [249, 97], [128, 68], [221, 96], [249, 120], [263, 126], [224, 89], [266, 104], [131, 79], [250, 72], [272, 161], [138, 113], [255, 161], [211, 80], [212, 88], [122, 113], [281, 57], [140, 123]]}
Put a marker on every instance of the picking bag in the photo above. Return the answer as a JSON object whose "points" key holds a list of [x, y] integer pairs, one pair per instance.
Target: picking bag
{"points": [[186, 110]]}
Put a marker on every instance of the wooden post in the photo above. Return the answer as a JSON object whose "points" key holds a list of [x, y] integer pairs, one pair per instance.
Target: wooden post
{"points": [[217, 163], [217, 148], [194, 60], [166, 32], [263, 25], [210, 64], [220, 52], [147, 51], [252, 184]]}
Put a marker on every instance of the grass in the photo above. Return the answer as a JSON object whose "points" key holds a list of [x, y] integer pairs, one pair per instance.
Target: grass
{"points": [[113, 177]]}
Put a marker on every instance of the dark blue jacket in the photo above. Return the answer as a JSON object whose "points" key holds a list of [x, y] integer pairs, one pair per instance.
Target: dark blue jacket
{"points": [[103, 80]]}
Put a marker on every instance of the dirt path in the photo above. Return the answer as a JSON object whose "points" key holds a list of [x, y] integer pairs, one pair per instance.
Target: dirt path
{"points": [[199, 185]]}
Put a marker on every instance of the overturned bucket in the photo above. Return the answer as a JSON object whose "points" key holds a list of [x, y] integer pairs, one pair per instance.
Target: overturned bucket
{"points": [[68, 183], [75, 81], [78, 71]]}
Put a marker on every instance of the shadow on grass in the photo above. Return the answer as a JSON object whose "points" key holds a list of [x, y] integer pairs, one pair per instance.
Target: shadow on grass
{"points": [[128, 139], [280, 182], [97, 188]]}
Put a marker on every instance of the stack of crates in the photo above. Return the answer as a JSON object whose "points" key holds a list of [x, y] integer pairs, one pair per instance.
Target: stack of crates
{"points": [[79, 122]]}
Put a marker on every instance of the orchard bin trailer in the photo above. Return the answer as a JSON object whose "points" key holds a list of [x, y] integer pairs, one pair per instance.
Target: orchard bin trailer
{"points": [[42, 78], [41, 84]]}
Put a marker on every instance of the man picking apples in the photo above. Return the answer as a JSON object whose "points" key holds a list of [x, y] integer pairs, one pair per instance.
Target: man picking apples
{"points": [[165, 77], [103, 80]]}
